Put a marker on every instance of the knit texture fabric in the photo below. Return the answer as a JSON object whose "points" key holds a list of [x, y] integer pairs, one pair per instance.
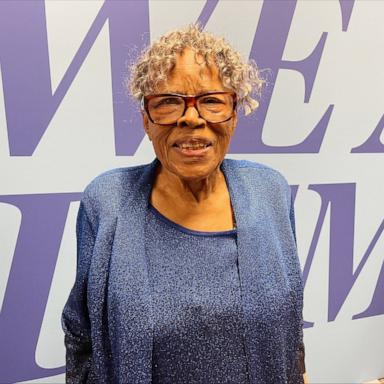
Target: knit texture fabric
{"points": [[198, 325], [109, 326]]}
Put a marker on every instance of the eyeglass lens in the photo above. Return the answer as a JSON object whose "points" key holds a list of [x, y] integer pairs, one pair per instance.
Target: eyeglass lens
{"points": [[212, 108]]}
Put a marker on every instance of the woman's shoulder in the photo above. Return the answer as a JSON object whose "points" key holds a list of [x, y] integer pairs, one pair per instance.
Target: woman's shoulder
{"points": [[110, 189], [258, 171], [261, 181]]}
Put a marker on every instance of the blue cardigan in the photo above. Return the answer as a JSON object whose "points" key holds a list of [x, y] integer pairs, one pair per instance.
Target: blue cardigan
{"points": [[111, 221]]}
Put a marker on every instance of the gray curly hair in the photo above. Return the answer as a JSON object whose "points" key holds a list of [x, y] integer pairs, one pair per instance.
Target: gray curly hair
{"points": [[157, 61]]}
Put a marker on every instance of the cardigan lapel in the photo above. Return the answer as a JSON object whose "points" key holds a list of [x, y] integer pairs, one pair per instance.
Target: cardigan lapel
{"points": [[266, 300], [243, 205], [132, 328]]}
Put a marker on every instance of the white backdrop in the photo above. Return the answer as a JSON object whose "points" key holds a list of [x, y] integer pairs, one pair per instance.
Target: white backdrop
{"points": [[79, 144]]}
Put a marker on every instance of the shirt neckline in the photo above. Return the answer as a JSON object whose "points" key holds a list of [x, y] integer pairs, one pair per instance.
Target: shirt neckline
{"points": [[187, 230]]}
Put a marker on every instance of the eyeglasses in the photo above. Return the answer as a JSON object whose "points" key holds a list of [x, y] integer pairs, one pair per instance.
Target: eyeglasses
{"points": [[167, 108]]}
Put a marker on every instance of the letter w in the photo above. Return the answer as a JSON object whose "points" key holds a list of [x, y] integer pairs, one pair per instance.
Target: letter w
{"points": [[29, 101]]}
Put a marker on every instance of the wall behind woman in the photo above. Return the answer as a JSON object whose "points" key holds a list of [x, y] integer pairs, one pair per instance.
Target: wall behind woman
{"points": [[64, 119]]}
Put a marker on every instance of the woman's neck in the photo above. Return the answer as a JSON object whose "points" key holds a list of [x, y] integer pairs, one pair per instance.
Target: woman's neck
{"points": [[190, 191]]}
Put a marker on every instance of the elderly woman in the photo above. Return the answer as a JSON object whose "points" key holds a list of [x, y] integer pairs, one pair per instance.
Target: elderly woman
{"points": [[187, 267]]}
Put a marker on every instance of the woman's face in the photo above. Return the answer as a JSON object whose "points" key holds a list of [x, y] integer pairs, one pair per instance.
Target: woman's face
{"points": [[191, 78]]}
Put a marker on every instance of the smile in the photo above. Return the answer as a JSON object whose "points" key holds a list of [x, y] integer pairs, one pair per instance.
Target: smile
{"points": [[192, 146], [192, 143]]}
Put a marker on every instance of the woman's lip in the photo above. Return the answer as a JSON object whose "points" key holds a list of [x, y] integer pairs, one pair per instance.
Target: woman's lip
{"points": [[192, 140], [193, 152]]}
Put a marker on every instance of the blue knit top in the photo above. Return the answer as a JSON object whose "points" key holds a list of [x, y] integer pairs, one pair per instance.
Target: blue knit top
{"points": [[109, 318], [198, 325]]}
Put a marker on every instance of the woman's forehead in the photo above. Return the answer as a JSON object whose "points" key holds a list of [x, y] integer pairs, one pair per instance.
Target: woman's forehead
{"points": [[192, 75], [190, 86]]}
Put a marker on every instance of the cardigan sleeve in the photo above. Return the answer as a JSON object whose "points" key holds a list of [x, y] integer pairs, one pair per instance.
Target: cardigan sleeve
{"points": [[75, 320], [300, 354]]}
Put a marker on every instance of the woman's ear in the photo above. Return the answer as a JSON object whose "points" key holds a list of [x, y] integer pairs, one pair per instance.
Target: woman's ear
{"points": [[234, 119], [146, 125]]}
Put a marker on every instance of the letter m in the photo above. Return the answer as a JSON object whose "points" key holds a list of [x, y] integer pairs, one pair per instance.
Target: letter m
{"points": [[342, 274]]}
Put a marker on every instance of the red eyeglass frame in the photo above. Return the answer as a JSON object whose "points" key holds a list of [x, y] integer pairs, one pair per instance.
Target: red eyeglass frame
{"points": [[189, 101]]}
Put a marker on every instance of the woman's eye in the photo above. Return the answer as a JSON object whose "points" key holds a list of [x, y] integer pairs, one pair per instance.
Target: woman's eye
{"points": [[169, 101], [212, 100]]}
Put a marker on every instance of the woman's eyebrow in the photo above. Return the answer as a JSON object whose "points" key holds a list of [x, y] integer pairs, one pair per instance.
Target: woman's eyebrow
{"points": [[200, 92]]}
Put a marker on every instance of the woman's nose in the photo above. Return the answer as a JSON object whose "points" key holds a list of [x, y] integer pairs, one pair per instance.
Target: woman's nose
{"points": [[191, 119]]}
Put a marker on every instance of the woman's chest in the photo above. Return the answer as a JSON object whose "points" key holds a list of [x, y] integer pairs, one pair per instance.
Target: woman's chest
{"points": [[196, 273], [194, 285]]}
